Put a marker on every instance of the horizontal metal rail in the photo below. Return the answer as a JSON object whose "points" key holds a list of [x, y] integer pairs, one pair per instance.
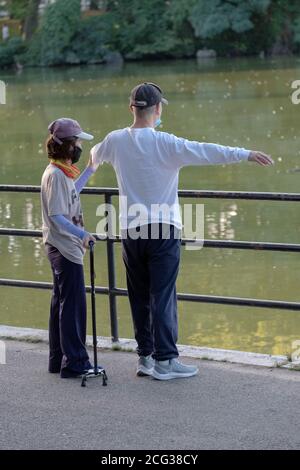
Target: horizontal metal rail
{"points": [[262, 303], [187, 193], [112, 291], [43, 285], [240, 245]]}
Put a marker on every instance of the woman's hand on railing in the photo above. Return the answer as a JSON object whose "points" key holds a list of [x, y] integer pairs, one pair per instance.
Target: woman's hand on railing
{"points": [[87, 240], [260, 158]]}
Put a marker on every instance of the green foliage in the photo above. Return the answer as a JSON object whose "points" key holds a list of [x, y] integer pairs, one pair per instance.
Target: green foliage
{"points": [[92, 40], [216, 16], [285, 23], [177, 15], [50, 44], [10, 51], [237, 27], [296, 30], [144, 29], [18, 9], [150, 29]]}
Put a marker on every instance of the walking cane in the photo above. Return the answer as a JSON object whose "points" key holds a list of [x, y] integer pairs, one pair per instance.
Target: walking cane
{"points": [[96, 371]]}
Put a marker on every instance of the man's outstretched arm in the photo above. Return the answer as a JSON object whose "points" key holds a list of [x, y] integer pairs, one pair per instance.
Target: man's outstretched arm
{"points": [[187, 152]]}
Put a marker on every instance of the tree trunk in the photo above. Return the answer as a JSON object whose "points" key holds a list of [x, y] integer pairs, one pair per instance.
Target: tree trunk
{"points": [[31, 20]]}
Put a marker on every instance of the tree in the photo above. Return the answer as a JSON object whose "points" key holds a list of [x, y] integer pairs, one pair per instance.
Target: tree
{"points": [[247, 26], [25, 11], [59, 24], [31, 20], [144, 29], [216, 16], [18, 9], [11, 51], [92, 40], [150, 29], [284, 20]]}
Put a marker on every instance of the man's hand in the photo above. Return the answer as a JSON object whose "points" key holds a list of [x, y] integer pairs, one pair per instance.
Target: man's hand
{"points": [[87, 240], [93, 166], [260, 158]]}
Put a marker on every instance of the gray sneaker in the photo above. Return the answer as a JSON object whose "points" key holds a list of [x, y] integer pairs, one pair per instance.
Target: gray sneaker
{"points": [[172, 369], [145, 366]]}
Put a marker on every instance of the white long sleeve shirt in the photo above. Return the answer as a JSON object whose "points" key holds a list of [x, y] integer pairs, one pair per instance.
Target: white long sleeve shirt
{"points": [[147, 164]]}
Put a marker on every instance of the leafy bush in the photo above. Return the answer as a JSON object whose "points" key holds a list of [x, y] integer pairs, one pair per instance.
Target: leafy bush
{"points": [[92, 40], [296, 31], [150, 29], [52, 41], [216, 16], [144, 29], [10, 51], [18, 9], [247, 26]]}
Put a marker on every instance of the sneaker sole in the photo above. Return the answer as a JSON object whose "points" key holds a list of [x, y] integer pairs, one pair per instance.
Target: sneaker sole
{"points": [[143, 371], [173, 375]]}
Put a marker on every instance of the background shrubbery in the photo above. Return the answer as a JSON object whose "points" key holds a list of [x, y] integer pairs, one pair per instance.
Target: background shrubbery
{"points": [[11, 52], [147, 29]]}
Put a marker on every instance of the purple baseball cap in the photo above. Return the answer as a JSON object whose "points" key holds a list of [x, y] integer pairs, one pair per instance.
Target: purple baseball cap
{"points": [[64, 127]]}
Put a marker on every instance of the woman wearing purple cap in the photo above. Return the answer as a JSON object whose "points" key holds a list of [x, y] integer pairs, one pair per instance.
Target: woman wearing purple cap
{"points": [[65, 242]]}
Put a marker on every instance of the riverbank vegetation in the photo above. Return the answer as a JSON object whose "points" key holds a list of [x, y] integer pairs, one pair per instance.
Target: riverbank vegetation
{"points": [[148, 29]]}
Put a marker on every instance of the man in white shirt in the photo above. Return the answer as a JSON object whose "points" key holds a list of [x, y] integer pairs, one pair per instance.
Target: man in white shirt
{"points": [[147, 164]]}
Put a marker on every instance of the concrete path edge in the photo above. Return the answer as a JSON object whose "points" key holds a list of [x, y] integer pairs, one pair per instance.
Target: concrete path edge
{"points": [[221, 355]]}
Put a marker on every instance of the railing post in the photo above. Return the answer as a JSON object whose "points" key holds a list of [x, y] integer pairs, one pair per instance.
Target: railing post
{"points": [[111, 273]]}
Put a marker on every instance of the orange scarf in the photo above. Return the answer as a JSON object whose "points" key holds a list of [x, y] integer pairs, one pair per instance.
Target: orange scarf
{"points": [[71, 171]]}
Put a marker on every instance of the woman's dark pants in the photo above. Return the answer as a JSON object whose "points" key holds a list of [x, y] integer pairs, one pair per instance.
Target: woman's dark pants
{"points": [[67, 324]]}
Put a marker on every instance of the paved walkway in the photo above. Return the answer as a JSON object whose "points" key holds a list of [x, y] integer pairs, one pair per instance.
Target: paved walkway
{"points": [[224, 407]]}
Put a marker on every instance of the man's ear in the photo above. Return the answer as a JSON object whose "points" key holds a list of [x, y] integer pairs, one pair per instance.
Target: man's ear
{"points": [[131, 108]]}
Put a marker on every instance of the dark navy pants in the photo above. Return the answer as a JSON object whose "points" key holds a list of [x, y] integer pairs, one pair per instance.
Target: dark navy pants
{"points": [[67, 323], [151, 269]]}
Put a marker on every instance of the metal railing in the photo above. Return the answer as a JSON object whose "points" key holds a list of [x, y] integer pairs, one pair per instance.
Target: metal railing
{"points": [[113, 291]]}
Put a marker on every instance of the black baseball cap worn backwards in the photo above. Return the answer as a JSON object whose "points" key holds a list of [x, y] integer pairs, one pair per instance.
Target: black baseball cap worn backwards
{"points": [[146, 94]]}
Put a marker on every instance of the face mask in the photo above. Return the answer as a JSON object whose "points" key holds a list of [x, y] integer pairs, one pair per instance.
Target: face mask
{"points": [[76, 154], [157, 122]]}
